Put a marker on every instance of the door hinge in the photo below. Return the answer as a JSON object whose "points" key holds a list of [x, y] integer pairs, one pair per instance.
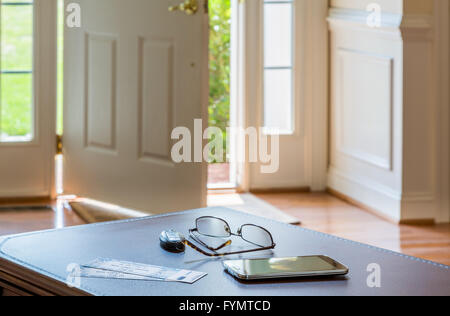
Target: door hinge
{"points": [[59, 145]]}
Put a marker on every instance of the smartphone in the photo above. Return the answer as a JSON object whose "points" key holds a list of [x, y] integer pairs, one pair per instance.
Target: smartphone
{"points": [[275, 268]]}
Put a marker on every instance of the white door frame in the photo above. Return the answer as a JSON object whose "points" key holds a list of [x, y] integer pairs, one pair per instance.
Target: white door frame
{"points": [[442, 52], [40, 152], [205, 101], [312, 81], [238, 90], [316, 80], [46, 79]]}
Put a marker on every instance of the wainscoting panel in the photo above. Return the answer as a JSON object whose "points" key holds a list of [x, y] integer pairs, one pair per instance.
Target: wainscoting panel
{"points": [[364, 108], [383, 141]]}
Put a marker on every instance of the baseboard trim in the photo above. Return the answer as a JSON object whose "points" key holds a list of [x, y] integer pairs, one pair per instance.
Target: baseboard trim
{"points": [[26, 200], [222, 191], [418, 222], [281, 190], [382, 199], [362, 206], [368, 209]]}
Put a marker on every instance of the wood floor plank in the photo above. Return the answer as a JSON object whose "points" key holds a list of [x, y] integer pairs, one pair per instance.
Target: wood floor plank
{"points": [[15, 222]]}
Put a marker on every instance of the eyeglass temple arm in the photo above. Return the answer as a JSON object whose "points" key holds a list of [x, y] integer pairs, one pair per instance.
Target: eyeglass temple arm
{"points": [[188, 243], [229, 242], [191, 231]]}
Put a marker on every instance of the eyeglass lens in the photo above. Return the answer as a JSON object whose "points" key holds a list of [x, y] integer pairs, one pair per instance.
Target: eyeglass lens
{"points": [[256, 235], [215, 227]]}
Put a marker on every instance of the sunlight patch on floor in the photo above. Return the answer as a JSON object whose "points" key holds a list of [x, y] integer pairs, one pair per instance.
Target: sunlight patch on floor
{"points": [[225, 199]]}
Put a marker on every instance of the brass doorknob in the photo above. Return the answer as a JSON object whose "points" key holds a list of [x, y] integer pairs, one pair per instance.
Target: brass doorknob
{"points": [[190, 7]]}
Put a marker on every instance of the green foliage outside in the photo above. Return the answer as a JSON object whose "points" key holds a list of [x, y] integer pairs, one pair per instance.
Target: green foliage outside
{"points": [[219, 63], [16, 55]]}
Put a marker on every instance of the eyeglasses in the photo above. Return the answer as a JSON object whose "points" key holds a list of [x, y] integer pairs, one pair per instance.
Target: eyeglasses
{"points": [[214, 227]]}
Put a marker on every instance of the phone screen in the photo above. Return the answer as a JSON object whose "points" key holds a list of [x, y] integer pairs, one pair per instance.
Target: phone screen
{"points": [[280, 266]]}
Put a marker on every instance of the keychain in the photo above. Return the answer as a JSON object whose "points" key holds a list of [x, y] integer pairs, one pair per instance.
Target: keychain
{"points": [[172, 241]]}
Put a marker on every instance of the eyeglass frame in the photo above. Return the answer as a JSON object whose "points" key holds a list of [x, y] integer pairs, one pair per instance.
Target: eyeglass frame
{"points": [[231, 234]]}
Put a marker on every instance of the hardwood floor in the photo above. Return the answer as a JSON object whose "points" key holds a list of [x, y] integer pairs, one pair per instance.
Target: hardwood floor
{"points": [[15, 222], [328, 214], [317, 211]]}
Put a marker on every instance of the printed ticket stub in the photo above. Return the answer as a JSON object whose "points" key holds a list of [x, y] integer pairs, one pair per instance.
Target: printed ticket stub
{"points": [[147, 271], [84, 272]]}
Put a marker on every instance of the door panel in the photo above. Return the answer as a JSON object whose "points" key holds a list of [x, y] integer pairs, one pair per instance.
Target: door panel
{"points": [[156, 101], [100, 118], [133, 72], [27, 99]]}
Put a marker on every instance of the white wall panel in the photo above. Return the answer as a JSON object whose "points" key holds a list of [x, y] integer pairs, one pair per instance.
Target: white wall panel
{"points": [[384, 144], [364, 109]]}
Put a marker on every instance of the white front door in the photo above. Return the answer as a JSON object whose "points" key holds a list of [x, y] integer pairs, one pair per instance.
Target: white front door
{"points": [[286, 91], [133, 72], [277, 105], [27, 98]]}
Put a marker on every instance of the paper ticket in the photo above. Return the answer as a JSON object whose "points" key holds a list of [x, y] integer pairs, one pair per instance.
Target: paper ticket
{"points": [[84, 272], [145, 270]]}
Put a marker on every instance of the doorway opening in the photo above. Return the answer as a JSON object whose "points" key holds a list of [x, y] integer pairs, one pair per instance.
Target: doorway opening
{"points": [[221, 174], [60, 96]]}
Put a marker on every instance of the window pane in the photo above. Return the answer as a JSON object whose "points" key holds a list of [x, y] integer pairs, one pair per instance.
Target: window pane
{"points": [[278, 35], [16, 110], [278, 67], [17, 37], [278, 101], [16, 66]]}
